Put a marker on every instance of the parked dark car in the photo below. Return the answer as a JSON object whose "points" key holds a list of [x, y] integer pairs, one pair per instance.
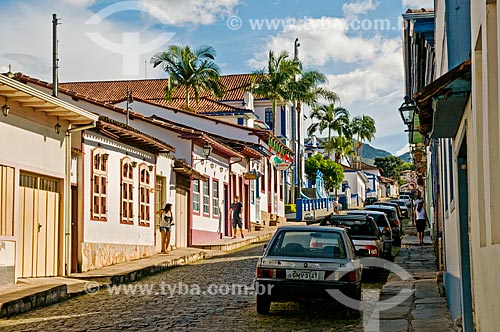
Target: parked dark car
{"points": [[304, 262], [395, 205], [370, 200], [363, 231], [402, 205], [392, 216], [383, 225]]}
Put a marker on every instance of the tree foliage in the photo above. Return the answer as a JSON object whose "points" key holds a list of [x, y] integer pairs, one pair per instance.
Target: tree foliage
{"points": [[331, 118], [333, 173], [407, 166], [390, 165], [194, 70], [273, 82]]}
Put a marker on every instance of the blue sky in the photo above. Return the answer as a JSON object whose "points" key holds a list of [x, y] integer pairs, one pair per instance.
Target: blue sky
{"points": [[356, 43]]}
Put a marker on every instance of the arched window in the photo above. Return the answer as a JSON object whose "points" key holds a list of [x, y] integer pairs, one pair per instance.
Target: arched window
{"points": [[127, 192], [99, 184], [144, 195]]}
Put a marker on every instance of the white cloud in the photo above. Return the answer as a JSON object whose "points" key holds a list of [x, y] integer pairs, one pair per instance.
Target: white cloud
{"points": [[29, 47], [193, 11], [354, 9], [323, 40], [374, 87], [418, 3], [403, 150]]}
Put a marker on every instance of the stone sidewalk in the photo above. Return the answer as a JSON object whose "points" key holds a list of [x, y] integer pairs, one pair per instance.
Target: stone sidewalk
{"points": [[425, 309], [30, 293]]}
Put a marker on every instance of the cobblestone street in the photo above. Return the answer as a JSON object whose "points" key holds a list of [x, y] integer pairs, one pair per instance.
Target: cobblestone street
{"points": [[197, 297]]}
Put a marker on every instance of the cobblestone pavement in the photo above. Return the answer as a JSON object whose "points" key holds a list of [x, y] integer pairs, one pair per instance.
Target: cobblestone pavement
{"points": [[183, 299]]}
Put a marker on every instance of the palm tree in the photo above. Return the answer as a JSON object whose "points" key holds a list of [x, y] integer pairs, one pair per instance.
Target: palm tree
{"points": [[194, 70], [343, 147], [364, 127], [273, 83], [329, 117], [307, 90]]}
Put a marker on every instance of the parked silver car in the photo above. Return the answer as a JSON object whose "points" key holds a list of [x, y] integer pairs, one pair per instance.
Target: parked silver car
{"points": [[304, 262]]}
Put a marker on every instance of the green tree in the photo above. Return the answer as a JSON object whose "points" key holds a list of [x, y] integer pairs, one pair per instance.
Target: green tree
{"points": [[390, 165], [331, 118], [364, 128], [273, 82], [407, 166], [194, 70], [333, 173]]}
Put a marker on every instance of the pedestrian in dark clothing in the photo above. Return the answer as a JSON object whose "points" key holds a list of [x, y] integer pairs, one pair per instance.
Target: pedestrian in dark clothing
{"points": [[237, 209]]}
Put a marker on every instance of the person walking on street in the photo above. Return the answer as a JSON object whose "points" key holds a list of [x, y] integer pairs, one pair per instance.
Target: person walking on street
{"points": [[166, 223], [421, 221], [237, 209]]}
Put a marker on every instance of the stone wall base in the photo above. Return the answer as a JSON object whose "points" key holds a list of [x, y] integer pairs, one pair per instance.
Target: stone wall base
{"points": [[96, 255]]}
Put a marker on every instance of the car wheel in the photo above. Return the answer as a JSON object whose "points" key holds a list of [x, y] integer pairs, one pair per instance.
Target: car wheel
{"points": [[350, 312], [263, 304]]}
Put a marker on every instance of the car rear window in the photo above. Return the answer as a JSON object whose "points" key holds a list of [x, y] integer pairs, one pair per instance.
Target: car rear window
{"points": [[313, 244], [391, 215], [380, 220], [357, 227]]}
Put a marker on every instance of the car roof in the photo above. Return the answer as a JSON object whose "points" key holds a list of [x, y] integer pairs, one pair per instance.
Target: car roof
{"points": [[345, 217], [310, 228], [378, 206], [365, 212]]}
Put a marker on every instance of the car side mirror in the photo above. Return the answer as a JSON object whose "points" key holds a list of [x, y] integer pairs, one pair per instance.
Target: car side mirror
{"points": [[362, 252]]}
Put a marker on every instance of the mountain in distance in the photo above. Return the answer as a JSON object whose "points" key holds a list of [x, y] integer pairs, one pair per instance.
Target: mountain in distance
{"points": [[369, 153], [406, 158]]}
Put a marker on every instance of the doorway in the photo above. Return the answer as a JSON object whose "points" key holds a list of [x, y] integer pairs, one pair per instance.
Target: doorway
{"points": [[74, 229], [465, 263]]}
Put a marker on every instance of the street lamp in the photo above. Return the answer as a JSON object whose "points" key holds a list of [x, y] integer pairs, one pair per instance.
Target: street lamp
{"points": [[207, 149], [407, 111]]}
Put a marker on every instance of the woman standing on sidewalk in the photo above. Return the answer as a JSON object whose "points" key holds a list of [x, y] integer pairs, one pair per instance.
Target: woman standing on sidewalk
{"points": [[420, 217], [166, 223]]}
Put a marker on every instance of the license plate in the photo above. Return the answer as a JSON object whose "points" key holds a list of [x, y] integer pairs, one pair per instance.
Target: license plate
{"points": [[304, 275]]}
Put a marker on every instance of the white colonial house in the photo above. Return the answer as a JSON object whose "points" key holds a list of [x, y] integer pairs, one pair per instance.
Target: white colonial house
{"points": [[356, 182], [207, 184], [36, 135]]}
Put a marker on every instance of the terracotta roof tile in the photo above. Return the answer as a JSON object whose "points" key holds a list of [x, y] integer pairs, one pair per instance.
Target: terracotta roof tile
{"points": [[152, 90], [205, 105], [113, 91]]}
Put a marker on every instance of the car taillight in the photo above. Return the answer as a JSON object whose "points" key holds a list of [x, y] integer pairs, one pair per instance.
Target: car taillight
{"points": [[349, 277], [372, 250], [396, 222], [386, 231], [271, 273]]}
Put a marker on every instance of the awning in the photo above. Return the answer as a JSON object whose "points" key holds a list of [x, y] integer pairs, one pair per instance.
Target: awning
{"points": [[129, 135], [442, 103], [183, 168], [39, 101]]}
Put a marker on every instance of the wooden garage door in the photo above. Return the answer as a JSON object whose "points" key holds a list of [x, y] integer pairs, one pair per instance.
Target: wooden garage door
{"points": [[39, 224], [7, 185]]}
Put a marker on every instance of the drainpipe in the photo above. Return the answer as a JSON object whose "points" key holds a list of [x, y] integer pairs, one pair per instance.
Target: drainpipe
{"points": [[67, 197]]}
